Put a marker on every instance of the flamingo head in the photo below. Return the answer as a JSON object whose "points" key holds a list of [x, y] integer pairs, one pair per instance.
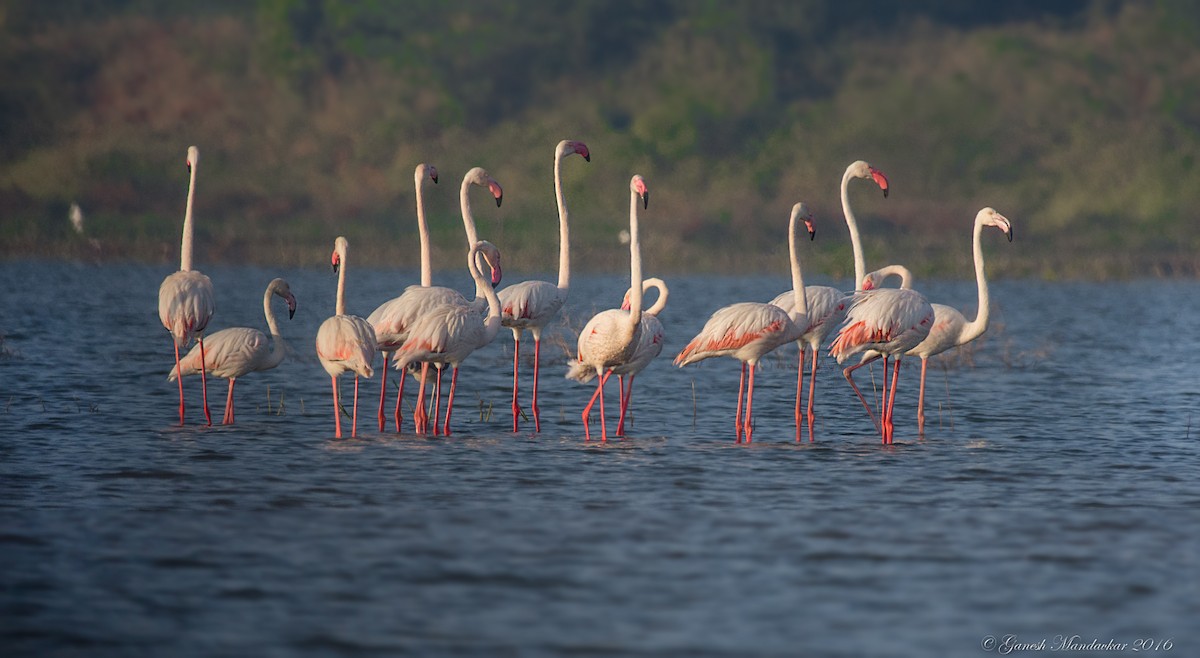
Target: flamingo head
{"points": [[340, 245], [870, 281], [424, 170], [567, 147], [193, 156], [801, 212], [989, 217], [281, 288], [637, 185], [489, 254], [875, 279]]}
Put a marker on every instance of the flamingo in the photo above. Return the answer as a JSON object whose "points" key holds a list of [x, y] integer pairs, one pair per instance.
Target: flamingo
{"points": [[649, 346], [748, 330], [610, 337], [236, 351], [185, 298], [394, 317], [450, 333], [950, 326], [533, 304], [826, 304], [345, 342]]}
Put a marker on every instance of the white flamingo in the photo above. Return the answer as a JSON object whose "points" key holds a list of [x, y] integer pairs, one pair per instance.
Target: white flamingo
{"points": [[826, 304], [649, 346], [345, 343], [748, 330], [610, 337], [533, 304], [237, 351], [950, 326], [394, 317], [185, 298], [450, 333]]}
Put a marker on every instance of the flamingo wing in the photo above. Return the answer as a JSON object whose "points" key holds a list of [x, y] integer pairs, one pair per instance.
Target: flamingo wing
{"points": [[228, 353], [393, 319], [886, 320], [186, 304], [530, 304], [346, 343], [745, 330]]}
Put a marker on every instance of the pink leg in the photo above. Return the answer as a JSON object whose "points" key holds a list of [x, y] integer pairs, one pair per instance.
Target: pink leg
{"points": [[883, 403], [800, 392], [626, 395], [420, 418], [516, 408], [848, 373], [450, 401], [383, 389], [204, 383], [537, 414], [437, 402], [749, 404], [337, 411], [737, 416], [587, 411], [180, 380], [354, 417], [812, 389], [228, 419], [398, 412], [891, 426], [921, 399], [603, 425]]}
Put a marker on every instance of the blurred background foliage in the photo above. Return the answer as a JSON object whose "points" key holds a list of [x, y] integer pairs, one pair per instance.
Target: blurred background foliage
{"points": [[1078, 119]]}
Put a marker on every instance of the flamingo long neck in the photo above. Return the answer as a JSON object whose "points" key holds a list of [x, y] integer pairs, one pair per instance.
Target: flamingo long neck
{"points": [[976, 327], [663, 293], [635, 265], [423, 229], [491, 323], [564, 231], [860, 269], [906, 277], [185, 250], [801, 295], [464, 201], [277, 346], [340, 307]]}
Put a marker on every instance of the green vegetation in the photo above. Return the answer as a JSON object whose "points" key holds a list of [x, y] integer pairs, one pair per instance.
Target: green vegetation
{"points": [[1079, 120]]}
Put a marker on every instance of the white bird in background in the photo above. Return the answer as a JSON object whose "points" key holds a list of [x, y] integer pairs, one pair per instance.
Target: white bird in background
{"points": [[76, 216], [649, 346], [950, 327], [533, 304], [185, 298], [748, 330], [449, 334], [610, 337], [393, 319], [345, 342], [236, 351]]}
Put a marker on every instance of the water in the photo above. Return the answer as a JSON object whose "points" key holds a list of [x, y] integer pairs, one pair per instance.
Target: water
{"points": [[1054, 494]]}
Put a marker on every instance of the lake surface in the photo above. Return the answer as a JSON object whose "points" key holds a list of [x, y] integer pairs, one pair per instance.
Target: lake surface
{"points": [[1056, 493]]}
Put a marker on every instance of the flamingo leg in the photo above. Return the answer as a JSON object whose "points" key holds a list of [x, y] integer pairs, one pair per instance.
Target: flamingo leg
{"points": [[420, 417], [398, 412], [516, 408], [587, 411], [921, 399], [626, 395], [883, 400], [228, 418], [800, 393], [437, 401], [204, 383], [337, 415], [603, 426], [383, 389], [812, 389], [737, 416], [750, 403], [891, 427], [848, 373], [179, 378], [537, 413], [354, 418], [450, 401]]}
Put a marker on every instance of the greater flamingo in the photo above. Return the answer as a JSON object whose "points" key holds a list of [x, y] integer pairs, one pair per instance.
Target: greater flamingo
{"points": [[748, 330], [533, 304], [610, 337], [950, 326], [185, 298], [450, 333], [826, 304], [237, 351], [649, 346], [392, 319], [345, 342]]}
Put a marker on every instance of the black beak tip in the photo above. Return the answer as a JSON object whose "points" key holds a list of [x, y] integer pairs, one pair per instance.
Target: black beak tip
{"points": [[645, 201], [885, 192], [434, 179], [498, 200], [291, 313], [587, 158], [812, 235], [1010, 233]]}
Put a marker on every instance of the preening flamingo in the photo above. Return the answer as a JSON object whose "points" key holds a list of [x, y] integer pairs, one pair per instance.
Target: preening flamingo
{"points": [[748, 330], [950, 327], [450, 333], [533, 304], [185, 298], [345, 343], [237, 351], [610, 337], [392, 319], [649, 346]]}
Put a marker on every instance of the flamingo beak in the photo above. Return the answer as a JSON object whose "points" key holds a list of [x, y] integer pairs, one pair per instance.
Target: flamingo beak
{"points": [[291, 302], [880, 180], [496, 275], [336, 261], [812, 232], [646, 199], [496, 191], [433, 177]]}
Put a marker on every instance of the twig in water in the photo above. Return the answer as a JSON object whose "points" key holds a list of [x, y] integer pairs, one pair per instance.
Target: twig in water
{"points": [[693, 404]]}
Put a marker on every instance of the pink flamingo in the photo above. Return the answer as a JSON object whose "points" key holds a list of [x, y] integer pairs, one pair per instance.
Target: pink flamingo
{"points": [[449, 334], [237, 351], [185, 298], [748, 330], [950, 327], [533, 304], [392, 319], [649, 346], [345, 342], [610, 337], [826, 304]]}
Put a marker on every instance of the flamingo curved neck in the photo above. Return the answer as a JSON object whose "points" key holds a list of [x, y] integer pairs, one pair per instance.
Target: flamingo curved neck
{"points": [[564, 232], [976, 327], [277, 346], [635, 265], [464, 201], [185, 249], [860, 269], [801, 295], [340, 307], [491, 323], [663, 293], [423, 229]]}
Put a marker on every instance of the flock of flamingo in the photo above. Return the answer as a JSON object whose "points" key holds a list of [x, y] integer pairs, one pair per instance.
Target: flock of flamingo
{"points": [[428, 325]]}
